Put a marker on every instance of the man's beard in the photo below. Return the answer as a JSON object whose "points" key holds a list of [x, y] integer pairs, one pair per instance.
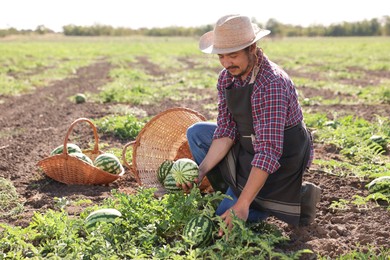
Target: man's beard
{"points": [[246, 70]]}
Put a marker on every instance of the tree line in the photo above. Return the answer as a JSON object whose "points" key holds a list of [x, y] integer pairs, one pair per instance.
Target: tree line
{"points": [[373, 27]]}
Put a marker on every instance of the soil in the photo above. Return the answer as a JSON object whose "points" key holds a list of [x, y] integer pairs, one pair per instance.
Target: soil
{"points": [[33, 124]]}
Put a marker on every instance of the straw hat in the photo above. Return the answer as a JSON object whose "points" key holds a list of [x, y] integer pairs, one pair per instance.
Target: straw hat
{"points": [[231, 33]]}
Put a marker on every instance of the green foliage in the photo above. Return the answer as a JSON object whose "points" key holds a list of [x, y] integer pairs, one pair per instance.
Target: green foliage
{"points": [[149, 228], [61, 203], [57, 234], [369, 253], [256, 242], [124, 127], [362, 145], [341, 204], [379, 197], [130, 86], [10, 202], [376, 94], [360, 202], [16, 242]]}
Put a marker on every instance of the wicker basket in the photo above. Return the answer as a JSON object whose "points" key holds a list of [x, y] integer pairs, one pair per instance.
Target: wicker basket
{"points": [[162, 138], [70, 170]]}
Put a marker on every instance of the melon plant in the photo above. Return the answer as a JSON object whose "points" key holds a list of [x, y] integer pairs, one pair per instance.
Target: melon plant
{"points": [[108, 162], [170, 183], [82, 157], [381, 184], [71, 148], [107, 215], [184, 170], [199, 231], [163, 170]]}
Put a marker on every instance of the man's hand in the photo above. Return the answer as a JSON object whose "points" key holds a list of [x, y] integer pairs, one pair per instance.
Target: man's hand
{"points": [[241, 212], [188, 186]]}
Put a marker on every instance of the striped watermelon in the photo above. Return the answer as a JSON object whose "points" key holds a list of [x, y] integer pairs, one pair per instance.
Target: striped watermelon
{"points": [[82, 157], [381, 184], [170, 183], [163, 170], [72, 148], [199, 231], [107, 215], [184, 170], [108, 162]]}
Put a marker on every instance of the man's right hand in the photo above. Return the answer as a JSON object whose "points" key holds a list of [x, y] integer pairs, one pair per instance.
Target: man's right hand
{"points": [[189, 185]]}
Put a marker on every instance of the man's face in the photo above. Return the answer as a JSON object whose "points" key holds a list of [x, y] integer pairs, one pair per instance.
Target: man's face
{"points": [[237, 63]]}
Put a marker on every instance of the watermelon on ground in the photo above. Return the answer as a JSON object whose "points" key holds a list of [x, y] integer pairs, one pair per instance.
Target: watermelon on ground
{"points": [[199, 231], [108, 162], [71, 148], [163, 170], [80, 98], [107, 215]]}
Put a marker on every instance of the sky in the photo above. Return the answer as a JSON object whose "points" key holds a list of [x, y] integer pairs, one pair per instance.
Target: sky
{"points": [[54, 14]]}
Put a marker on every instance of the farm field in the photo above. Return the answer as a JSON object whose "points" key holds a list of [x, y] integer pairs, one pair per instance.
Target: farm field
{"points": [[343, 85]]}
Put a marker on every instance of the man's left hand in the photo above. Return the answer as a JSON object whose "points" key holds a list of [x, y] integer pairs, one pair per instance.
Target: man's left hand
{"points": [[240, 212]]}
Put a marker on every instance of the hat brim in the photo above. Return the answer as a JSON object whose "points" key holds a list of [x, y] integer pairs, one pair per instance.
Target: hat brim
{"points": [[206, 43]]}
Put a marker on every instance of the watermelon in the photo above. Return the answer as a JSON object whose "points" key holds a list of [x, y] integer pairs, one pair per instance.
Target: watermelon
{"points": [[381, 184], [82, 157], [71, 148], [107, 215], [108, 162], [163, 170], [170, 183], [80, 98], [199, 231], [184, 170]]}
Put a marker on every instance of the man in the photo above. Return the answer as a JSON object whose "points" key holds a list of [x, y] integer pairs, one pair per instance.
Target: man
{"points": [[259, 148]]}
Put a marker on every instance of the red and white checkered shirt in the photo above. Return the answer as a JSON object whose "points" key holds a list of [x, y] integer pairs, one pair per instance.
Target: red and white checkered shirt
{"points": [[274, 106]]}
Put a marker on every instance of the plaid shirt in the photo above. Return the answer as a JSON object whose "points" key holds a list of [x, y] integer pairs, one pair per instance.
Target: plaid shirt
{"points": [[274, 107]]}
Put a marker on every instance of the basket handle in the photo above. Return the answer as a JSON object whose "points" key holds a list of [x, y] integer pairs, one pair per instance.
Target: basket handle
{"points": [[132, 169], [96, 147], [124, 154]]}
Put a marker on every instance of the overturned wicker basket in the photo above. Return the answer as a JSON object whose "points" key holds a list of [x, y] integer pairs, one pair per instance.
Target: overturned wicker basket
{"points": [[70, 170], [162, 138]]}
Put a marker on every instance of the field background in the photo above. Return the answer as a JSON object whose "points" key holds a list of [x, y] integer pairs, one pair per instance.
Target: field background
{"points": [[343, 86]]}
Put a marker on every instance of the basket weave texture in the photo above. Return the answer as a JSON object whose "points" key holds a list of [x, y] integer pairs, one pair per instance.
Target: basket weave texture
{"points": [[162, 138], [70, 170]]}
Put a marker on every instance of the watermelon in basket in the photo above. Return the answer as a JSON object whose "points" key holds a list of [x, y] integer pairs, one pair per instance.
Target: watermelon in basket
{"points": [[75, 167]]}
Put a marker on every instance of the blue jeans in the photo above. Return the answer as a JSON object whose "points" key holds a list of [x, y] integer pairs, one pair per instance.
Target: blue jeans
{"points": [[200, 136]]}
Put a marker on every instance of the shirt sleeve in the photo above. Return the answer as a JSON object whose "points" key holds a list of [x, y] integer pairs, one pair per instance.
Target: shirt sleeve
{"points": [[226, 127], [269, 108]]}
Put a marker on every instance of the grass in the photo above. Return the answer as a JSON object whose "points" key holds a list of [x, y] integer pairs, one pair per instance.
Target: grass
{"points": [[124, 127], [34, 63], [10, 202]]}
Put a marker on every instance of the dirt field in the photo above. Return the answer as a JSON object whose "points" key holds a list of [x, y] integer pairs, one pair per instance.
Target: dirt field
{"points": [[37, 122]]}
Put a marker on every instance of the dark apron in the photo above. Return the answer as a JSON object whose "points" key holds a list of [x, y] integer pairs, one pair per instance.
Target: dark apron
{"points": [[280, 194]]}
